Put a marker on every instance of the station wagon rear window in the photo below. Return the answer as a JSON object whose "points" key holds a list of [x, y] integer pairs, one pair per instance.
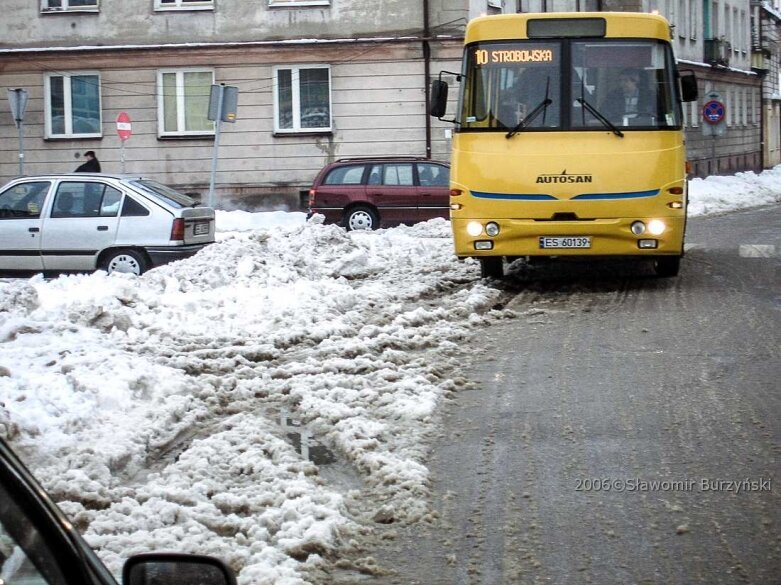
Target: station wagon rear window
{"points": [[348, 175]]}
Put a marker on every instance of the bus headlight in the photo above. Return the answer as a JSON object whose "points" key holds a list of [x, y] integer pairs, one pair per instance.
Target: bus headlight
{"points": [[474, 228], [638, 228], [492, 228], [656, 227]]}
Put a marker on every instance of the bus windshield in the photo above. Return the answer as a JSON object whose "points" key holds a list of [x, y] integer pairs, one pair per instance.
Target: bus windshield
{"points": [[569, 84]]}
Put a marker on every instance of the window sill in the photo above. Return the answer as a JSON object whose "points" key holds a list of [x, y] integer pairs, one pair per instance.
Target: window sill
{"points": [[85, 10], [296, 4], [209, 136], [74, 137], [183, 8], [308, 132]]}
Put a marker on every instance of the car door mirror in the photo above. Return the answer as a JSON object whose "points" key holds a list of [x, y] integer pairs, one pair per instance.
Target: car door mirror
{"points": [[176, 569]]}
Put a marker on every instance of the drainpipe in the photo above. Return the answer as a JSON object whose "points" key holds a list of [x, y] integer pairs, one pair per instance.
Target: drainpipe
{"points": [[426, 74], [762, 147]]}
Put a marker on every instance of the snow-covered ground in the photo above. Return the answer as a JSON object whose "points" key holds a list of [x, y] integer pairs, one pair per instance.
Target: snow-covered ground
{"points": [[167, 412]]}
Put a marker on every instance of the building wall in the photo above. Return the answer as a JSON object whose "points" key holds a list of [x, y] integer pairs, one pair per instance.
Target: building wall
{"points": [[694, 24], [739, 148], [766, 36], [378, 89], [137, 22]]}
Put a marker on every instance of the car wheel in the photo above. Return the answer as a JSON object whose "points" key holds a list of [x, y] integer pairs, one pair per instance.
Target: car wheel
{"points": [[667, 265], [491, 267], [128, 261], [361, 218]]}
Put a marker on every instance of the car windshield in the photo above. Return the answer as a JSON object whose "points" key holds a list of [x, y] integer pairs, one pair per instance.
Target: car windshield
{"points": [[521, 86], [167, 194]]}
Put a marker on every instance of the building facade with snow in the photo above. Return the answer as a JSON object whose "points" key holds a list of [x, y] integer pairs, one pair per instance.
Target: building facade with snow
{"points": [[318, 80]]}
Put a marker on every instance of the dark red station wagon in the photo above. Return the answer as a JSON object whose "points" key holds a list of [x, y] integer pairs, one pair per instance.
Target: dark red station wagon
{"points": [[369, 193]]}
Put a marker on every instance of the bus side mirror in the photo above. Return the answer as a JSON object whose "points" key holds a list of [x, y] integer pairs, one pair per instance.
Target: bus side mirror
{"points": [[688, 86], [438, 98]]}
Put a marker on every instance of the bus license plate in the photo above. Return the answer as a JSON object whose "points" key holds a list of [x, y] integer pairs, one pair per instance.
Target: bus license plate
{"points": [[201, 228], [565, 242]]}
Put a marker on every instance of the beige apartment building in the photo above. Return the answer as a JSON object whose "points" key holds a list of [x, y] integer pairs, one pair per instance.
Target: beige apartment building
{"points": [[317, 80]]}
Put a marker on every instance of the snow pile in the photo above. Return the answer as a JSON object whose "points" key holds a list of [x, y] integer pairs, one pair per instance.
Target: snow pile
{"points": [[719, 194], [156, 408]]}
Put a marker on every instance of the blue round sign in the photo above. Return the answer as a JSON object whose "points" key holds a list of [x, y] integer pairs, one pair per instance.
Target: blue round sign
{"points": [[713, 112]]}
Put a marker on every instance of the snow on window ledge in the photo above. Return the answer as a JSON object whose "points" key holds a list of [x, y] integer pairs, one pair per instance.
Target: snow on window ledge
{"points": [[61, 10], [297, 3]]}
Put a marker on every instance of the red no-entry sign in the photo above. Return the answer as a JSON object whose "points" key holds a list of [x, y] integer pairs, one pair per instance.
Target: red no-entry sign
{"points": [[123, 126]]}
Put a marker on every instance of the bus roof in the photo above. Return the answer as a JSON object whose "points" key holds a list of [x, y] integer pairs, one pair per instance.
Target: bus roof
{"points": [[617, 25]]}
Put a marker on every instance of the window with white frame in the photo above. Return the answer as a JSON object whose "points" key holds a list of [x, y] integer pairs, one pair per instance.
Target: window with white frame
{"points": [[302, 99], [681, 13], [294, 3], [695, 114], [744, 97], [183, 102], [692, 20], [756, 105], [68, 5], [730, 106], [744, 31], [72, 102], [184, 4]]}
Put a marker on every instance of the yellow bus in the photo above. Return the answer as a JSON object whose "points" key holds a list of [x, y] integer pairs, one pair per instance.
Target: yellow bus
{"points": [[568, 139]]}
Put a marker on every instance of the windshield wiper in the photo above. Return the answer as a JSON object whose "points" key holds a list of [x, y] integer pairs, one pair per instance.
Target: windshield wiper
{"points": [[530, 118], [541, 107], [600, 117]]}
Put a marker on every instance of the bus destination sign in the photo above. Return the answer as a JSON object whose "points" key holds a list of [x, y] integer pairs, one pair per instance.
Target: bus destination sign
{"points": [[502, 56]]}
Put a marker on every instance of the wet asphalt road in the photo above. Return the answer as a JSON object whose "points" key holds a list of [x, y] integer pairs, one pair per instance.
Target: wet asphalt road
{"points": [[605, 426]]}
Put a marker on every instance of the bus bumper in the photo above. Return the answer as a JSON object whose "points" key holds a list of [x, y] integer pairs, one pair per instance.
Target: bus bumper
{"points": [[598, 237]]}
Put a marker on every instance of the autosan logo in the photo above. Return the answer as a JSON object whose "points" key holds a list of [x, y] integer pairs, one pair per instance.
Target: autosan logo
{"points": [[564, 177]]}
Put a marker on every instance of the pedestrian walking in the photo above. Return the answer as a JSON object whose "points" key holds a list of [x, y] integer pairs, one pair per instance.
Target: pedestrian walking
{"points": [[91, 165]]}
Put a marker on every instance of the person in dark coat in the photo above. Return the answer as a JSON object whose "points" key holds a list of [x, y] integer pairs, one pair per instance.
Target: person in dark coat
{"points": [[92, 164]]}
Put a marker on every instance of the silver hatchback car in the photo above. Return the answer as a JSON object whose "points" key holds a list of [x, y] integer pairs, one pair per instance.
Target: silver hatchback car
{"points": [[80, 221]]}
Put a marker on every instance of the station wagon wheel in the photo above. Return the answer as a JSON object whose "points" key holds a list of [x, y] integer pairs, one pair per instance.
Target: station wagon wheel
{"points": [[128, 261], [361, 217]]}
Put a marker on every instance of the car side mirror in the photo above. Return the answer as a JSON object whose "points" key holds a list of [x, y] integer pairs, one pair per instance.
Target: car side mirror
{"points": [[176, 569], [688, 86], [438, 98]]}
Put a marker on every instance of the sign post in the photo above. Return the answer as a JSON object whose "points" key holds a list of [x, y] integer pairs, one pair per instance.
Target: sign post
{"points": [[124, 130], [18, 100], [223, 102], [714, 115]]}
